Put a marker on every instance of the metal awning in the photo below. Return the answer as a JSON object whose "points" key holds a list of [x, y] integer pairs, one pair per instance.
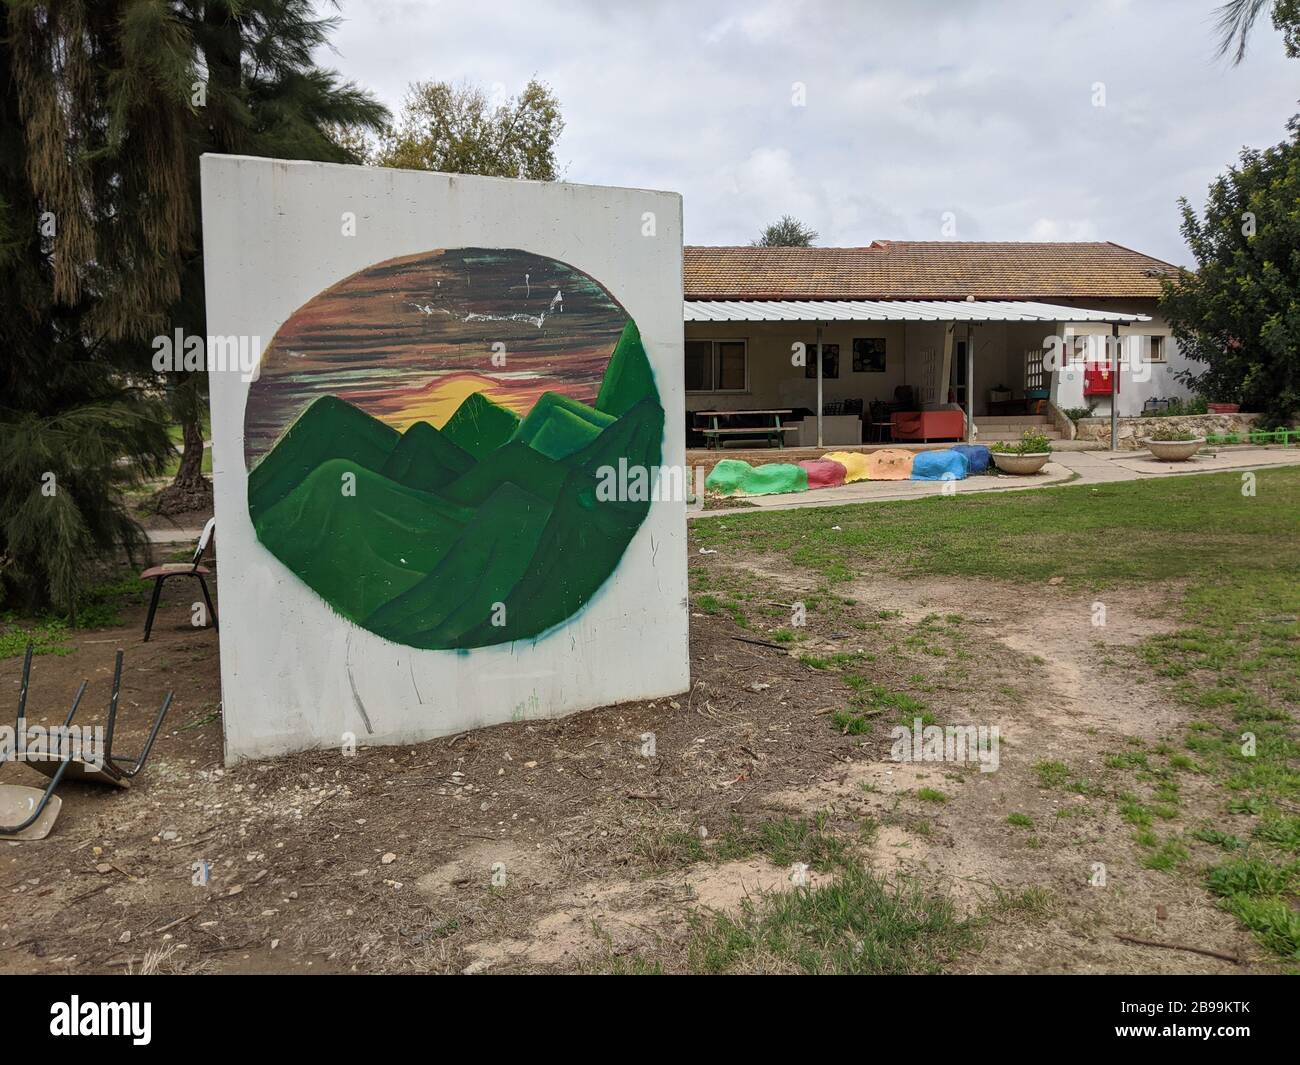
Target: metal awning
{"points": [[894, 311]]}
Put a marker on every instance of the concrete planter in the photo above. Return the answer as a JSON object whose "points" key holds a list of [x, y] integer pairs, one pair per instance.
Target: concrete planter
{"points": [[1174, 450], [1021, 464]]}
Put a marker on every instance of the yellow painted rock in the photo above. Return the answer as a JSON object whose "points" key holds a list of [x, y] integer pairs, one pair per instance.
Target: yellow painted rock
{"points": [[889, 465], [854, 463]]}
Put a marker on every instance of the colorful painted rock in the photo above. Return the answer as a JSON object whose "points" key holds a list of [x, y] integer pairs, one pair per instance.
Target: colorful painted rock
{"points": [[854, 463], [773, 478], [978, 457], [823, 473], [727, 476], [889, 465], [945, 465]]}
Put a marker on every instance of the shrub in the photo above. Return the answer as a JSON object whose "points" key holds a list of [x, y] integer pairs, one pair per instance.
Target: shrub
{"points": [[1032, 442]]}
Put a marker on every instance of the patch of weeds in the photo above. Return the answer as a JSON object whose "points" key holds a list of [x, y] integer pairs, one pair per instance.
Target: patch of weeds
{"points": [[1281, 831], [1133, 811], [671, 847], [856, 924], [783, 842], [784, 635], [848, 723], [1020, 820], [1035, 901], [1166, 855], [931, 795], [1223, 840], [46, 637], [1052, 774], [1273, 922]]}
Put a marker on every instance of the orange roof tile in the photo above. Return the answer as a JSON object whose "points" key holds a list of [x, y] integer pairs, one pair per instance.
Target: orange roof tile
{"points": [[902, 269]]}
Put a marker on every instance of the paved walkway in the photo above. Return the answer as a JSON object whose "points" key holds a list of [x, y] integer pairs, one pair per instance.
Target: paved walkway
{"points": [[1074, 467]]}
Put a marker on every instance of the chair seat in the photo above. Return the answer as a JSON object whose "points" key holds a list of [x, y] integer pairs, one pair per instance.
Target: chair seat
{"points": [[173, 569], [78, 768]]}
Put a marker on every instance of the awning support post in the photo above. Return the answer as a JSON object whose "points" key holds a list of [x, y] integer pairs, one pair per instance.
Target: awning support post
{"points": [[1114, 388], [970, 383], [819, 385]]}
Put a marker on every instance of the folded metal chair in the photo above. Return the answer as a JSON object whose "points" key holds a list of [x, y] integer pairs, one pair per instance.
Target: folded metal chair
{"points": [[59, 765], [111, 771], [16, 800]]}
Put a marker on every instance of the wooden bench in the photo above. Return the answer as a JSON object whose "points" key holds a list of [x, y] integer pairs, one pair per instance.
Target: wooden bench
{"points": [[774, 433]]}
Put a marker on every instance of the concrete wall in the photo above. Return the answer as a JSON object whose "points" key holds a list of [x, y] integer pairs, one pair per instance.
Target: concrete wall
{"points": [[296, 674]]}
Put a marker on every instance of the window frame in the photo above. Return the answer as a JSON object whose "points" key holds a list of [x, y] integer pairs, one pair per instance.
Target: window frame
{"points": [[715, 365]]}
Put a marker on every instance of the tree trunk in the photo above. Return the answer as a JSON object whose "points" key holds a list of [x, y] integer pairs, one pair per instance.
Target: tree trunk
{"points": [[190, 475]]}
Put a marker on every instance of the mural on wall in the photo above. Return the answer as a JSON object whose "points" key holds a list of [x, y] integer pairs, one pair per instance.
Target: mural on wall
{"points": [[424, 440]]}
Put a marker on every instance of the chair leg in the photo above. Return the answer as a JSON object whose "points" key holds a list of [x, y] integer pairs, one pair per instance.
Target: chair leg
{"points": [[153, 607], [212, 611]]}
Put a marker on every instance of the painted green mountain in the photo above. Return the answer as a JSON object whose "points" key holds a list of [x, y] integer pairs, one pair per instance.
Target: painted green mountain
{"points": [[480, 426], [328, 429], [558, 426], [486, 531], [425, 458]]}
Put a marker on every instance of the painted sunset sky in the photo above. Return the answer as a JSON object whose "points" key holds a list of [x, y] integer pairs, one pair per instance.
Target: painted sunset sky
{"points": [[409, 339]]}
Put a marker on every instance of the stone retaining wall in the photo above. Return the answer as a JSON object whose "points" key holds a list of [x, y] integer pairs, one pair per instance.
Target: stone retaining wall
{"points": [[1133, 430]]}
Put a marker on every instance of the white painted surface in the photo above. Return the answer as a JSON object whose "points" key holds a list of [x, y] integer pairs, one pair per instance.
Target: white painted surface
{"points": [[294, 674]]}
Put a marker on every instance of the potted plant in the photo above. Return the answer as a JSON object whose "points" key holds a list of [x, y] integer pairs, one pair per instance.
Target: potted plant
{"points": [[1028, 456], [1170, 445]]}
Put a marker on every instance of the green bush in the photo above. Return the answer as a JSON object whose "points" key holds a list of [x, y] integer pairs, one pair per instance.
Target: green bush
{"points": [[1032, 442]]}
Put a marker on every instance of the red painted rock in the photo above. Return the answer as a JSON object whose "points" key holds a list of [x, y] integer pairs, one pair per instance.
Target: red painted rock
{"points": [[823, 473]]}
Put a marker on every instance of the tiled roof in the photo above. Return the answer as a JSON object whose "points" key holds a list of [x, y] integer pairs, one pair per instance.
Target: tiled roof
{"points": [[924, 270]]}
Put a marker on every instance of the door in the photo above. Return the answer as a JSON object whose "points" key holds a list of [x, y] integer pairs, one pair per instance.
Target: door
{"points": [[957, 386]]}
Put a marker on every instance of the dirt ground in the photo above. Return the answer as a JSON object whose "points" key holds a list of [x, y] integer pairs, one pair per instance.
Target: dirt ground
{"points": [[558, 845]]}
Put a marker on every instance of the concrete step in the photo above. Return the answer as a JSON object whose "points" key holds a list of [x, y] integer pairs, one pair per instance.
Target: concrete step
{"points": [[986, 428], [1014, 419]]}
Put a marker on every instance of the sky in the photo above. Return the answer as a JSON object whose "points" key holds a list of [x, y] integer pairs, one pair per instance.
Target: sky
{"points": [[867, 120], [410, 339]]}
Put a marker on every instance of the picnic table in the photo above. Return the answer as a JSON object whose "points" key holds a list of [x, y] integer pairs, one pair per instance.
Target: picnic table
{"points": [[773, 433]]}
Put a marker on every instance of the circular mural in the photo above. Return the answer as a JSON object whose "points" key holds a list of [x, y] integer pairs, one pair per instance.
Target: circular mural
{"points": [[425, 440]]}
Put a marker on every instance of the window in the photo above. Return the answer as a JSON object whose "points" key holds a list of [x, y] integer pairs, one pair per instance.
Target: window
{"points": [[868, 354], [1157, 349], [716, 366], [830, 360]]}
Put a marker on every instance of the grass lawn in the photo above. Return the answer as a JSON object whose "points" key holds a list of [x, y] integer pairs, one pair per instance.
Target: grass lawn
{"points": [[1162, 529], [1234, 661]]}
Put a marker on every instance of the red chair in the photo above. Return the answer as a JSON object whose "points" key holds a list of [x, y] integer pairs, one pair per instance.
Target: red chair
{"points": [[193, 568], [926, 425]]}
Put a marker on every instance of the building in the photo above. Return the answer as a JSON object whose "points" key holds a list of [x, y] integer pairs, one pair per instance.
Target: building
{"points": [[924, 325]]}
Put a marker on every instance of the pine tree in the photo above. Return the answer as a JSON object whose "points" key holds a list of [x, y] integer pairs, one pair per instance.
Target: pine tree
{"points": [[107, 106]]}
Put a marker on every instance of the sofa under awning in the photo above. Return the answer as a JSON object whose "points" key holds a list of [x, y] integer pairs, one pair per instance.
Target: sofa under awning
{"points": [[970, 312]]}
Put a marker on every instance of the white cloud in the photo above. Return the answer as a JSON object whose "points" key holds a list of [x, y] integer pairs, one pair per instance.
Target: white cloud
{"points": [[982, 109]]}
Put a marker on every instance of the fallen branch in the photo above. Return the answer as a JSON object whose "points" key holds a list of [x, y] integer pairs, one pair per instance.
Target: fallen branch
{"points": [[762, 643], [1179, 946]]}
